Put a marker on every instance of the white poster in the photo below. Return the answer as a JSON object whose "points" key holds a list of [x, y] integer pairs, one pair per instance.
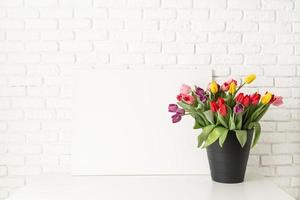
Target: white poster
{"points": [[122, 125]]}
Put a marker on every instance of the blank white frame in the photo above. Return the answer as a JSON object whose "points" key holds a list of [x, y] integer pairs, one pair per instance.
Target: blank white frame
{"points": [[122, 126]]}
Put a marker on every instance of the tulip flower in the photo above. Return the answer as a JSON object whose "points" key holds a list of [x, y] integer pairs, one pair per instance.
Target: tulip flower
{"points": [[223, 110], [266, 98], [213, 87], [232, 88], [176, 118], [232, 80], [225, 86], [189, 99], [255, 98], [199, 91], [246, 101], [201, 94], [172, 108], [213, 106], [180, 111], [250, 78], [272, 99], [221, 101], [238, 108], [179, 97], [239, 98], [185, 89], [277, 101]]}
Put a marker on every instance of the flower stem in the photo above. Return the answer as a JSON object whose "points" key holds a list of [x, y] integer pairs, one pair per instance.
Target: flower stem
{"points": [[238, 89]]}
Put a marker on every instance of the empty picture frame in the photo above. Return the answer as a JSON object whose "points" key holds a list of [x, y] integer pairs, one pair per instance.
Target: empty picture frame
{"points": [[122, 125]]}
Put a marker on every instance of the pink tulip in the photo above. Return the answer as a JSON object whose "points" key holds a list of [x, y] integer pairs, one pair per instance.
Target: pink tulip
{"points": [[231, 80], [189, 99], [225, 86], [185, 89], [277, 101]]}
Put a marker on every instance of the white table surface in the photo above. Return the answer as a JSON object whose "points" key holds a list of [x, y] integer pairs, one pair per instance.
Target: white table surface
{"points": [[195, 187]]}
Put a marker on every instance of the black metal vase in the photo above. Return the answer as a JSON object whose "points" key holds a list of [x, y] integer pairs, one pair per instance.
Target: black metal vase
{"points": [[228, 163]]}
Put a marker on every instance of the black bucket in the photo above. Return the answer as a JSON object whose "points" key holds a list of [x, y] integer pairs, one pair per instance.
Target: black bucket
{"points": [[228, 163]]}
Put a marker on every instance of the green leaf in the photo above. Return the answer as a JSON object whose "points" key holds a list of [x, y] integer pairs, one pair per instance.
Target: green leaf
{"points": [[214, 135], [256, 113], [239, 121], [231, 123], [205, 132], [209, 115], [247, 115], [222, 120], [241, 136], [197, 125], [229, 110], [200, 106], [206, 122], [262, 113], [257, 131], [203, 119], [222, 138]]}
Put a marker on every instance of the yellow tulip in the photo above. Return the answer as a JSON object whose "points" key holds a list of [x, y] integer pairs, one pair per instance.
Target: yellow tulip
{"points": [[266, 98], [250, 78], [232, 87], [213, 87]]}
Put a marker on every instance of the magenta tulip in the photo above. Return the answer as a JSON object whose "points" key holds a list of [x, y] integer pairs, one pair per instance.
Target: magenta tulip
{"points": [[176, 118], [201, 94], [238, 108], [172, 108]]}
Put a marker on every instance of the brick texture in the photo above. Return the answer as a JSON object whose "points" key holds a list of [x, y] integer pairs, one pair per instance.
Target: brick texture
{"points": [[42, 40]]}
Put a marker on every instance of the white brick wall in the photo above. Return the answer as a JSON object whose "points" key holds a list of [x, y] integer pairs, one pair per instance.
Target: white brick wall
{"points": [[42, 40]]}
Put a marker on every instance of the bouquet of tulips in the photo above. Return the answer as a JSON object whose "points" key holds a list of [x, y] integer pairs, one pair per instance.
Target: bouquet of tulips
{"points": [[220, 109]]}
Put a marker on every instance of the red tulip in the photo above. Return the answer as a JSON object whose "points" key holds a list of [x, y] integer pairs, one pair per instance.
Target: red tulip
{"points": [[213, 106], [221, 101], [179, 97], [246, 100], [272, 99], [239, 98], [223, 110], [255, 98]]}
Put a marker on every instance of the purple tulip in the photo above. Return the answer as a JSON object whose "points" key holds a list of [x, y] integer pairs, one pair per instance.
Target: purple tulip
{"points": [[199, 91], [173, 107], [238, 108], [176, 118], [201, 94], [180, 111]]}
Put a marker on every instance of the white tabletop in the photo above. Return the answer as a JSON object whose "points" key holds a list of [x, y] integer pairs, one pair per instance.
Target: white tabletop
{"points": [[195, 187]]}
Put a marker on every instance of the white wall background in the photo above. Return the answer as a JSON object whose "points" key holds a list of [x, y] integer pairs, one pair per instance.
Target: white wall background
{"points": [[42, 40]]}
